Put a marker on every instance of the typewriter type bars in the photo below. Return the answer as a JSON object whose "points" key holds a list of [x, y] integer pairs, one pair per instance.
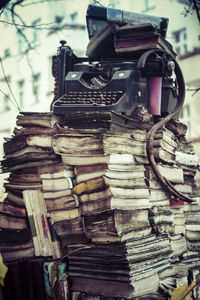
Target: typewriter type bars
{"points": [[93, 92]]}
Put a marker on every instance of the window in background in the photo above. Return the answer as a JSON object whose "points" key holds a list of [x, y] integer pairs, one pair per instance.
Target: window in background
{"points": [[35, 33], [5, 103], [148, 5], [180, 41], [74, 17], [21, 42], [59, 19], [20, 85], [6, 53], [36, 87]]}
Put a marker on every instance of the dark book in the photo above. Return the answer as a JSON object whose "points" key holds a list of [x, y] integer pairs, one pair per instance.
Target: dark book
{"points": [[14, 236], [144, 43], [89, 168], [101, 45], [111, 225], [38, 279], [14, 144], [123, 45], [129, 31], [45, 119]]}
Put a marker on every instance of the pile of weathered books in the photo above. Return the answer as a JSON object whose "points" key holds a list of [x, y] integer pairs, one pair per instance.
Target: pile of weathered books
{"points": [[86, 187]]}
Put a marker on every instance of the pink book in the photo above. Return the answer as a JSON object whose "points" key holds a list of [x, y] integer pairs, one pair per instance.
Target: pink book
{"points": [[155, 95]]}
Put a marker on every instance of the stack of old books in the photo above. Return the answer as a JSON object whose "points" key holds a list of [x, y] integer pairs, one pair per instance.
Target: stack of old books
{"points": [[91, 186], [24, 211]]}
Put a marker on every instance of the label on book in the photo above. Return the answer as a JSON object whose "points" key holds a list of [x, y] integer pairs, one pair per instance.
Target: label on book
{"points": [[32, 226]]}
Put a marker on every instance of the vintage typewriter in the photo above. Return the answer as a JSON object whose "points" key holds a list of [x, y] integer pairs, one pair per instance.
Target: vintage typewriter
{"points": [[106, 81]]}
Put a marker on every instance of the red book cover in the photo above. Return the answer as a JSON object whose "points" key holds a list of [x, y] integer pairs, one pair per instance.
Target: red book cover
{"points": [[174, 202], [136, 41]]}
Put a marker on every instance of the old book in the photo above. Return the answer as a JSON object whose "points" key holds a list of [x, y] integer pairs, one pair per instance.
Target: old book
{"points": [[167, 136], [121, 160], [105, 204], [161, 218], [178, 244], [14, 144], [80, 145], [135, 30], [90, 175], [63, 173], [109, 121], [158, 195], [9, 247], [128, 193], [69, 226], [37, 204], [187, 159], [89, 168], [40, 140], [104, 200], [15, 236], [18, 254], [123, 144], [30, 130], [46, 119], [28, 152], [164, 155], [50, 169], [66, 202], [177, 127], [15, 196], [7, 208], [64, 214], [110, 225], [154, 41], [89, 186], [31, 164], [164, 145], [113, 288], [72, 160], [24, 177], [12, 222], [32, 224], [51, 195], [101, 40], [56, 247], [57, 184], [23, 186], [172, 173], [125, 183], [137, 171]]}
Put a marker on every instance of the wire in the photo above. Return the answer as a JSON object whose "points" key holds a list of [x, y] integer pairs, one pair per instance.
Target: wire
{"points": [[9, 99], [4, 74], [37, 26]]}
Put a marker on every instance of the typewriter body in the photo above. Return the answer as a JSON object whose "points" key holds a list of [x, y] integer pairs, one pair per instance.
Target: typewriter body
{"points": [[108, 81]]}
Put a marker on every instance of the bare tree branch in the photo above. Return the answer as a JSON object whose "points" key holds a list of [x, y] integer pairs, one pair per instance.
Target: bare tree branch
{"points": [[3, 3], [197, 8], [8, 84], [35, 27]]}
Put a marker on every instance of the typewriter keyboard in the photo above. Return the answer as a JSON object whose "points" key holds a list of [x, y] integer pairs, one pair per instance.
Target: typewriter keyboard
{"points": [[90, 98]]}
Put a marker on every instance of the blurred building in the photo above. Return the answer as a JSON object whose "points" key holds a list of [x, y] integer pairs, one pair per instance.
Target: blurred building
{"points": [[26, 82]]}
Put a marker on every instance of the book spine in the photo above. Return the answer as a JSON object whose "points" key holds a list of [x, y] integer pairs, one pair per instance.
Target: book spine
{"points": [[31, 222], [128, 42], [36, 216], [54, 238], [44, 223]]}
